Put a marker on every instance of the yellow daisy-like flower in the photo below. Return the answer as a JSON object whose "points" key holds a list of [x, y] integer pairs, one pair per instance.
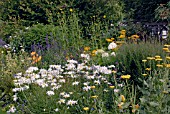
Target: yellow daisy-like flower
{"points": [[111, 87], [144, 74], [86, 108], [94, 51], [86, 48], [125, 76]]}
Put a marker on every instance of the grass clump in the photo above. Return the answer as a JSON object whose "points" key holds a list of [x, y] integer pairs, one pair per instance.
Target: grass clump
{"points": [[130, 57]]}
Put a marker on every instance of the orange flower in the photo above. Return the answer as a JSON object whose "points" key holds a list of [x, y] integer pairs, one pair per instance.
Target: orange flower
{"points": [[34, 57], [39, 58], [33, 53]]}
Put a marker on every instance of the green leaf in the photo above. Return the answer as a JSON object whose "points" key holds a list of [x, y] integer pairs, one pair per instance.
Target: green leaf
{"points": [[154, 104], [143, 100]]}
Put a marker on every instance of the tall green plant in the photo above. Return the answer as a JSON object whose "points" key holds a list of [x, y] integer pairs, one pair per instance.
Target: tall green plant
{"points": [[130, 57]]}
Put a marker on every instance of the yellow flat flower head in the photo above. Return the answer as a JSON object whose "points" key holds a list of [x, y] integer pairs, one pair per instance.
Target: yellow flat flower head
{"points": [[86, 108], [111, 87], [144, 60], [125, 76], [144, 74], [165, 49], [95, 96]]}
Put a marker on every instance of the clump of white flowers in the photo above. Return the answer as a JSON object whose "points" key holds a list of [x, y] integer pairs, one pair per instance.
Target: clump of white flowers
{"points": [[112, 46]]}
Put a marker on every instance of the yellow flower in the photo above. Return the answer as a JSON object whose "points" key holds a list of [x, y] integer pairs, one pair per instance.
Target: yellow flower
{"points": [[95, 96], [71, 10], [112, 39], [104, 16], [157, 57], [94, 51], [168, 58], [122, 98], [166, 45], [159, 65], [109, 40], [86, 108], [122, 36], [86, 48], [144, 60], [144, 74], [165, 49], [125, 76], [167, 65], [148, 69], [93, 87], [114, 71], [111, 87], [150, 58], [123, 32], [135, 36]]}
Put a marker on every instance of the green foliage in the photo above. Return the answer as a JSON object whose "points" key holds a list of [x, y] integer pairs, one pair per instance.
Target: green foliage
{"points": [[10, 64], [142, 9], [33, 35], [130, 57], [156, 86], [31, 12]]}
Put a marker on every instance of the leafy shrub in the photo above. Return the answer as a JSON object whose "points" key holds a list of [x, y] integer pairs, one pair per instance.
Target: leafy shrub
{"points": [[130, 57], [31, 12]]}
